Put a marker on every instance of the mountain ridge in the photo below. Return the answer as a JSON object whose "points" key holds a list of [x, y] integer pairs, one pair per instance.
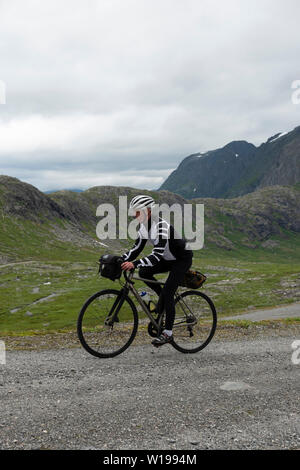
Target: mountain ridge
{"points": [[238, 168], [35, 224]]}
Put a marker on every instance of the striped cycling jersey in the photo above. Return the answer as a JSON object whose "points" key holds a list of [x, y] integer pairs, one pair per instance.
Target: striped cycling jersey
{"points": [[160, 234]]}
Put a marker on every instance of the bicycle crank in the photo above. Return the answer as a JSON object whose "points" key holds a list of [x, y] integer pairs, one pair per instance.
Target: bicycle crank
{"points": [[152, 330]]}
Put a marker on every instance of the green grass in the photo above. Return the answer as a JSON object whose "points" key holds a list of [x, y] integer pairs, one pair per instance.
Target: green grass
{"points": [[73, 282], [72, 272], [25, 240], [270, 268]]}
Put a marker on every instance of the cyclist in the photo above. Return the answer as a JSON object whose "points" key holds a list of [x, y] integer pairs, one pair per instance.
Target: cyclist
{"points": [[170, 254]]}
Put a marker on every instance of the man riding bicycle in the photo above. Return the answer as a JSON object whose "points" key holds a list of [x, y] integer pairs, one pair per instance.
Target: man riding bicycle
{"points": [[170, 254]]}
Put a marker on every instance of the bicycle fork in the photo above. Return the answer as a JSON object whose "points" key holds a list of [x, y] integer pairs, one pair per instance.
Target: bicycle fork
{"points": [[112, 317]]}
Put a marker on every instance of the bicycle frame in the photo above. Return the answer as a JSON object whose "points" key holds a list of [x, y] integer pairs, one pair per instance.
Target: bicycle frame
{"points": [[98, 341], [130, 288]]}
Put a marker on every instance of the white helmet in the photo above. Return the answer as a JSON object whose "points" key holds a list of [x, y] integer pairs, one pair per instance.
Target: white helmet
{"points": [[141, 202]]}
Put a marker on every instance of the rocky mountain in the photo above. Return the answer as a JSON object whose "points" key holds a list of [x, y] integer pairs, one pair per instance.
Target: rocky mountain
{"points": [[33, 223], [18, 199], [262, 219], [61, 225], [81, 207], [238, 168]]}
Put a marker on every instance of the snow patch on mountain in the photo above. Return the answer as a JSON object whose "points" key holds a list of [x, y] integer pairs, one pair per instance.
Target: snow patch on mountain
{"points": [[277, 136]]}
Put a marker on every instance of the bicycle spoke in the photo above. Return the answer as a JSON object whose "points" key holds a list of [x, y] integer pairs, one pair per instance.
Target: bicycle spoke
{"points": [[195, 321], [100, 338]]}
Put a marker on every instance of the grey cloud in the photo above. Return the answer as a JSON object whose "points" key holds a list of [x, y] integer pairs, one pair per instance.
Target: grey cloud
{"points": [[183, 77]]}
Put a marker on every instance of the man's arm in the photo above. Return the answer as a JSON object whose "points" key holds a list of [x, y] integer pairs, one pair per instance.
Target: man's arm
{"points": [[158, 250], [137, 248]]}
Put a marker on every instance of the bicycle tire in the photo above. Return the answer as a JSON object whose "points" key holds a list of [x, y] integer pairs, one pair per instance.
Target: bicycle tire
{"points": [[87, 337], [212, 329]]}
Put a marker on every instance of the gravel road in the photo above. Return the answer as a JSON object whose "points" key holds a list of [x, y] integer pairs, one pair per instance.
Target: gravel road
{"points": [[285, 311], [240, 394]]}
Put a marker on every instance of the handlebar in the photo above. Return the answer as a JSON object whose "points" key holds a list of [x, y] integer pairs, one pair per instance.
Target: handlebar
{"points": [[119, 260], [131, 274]]}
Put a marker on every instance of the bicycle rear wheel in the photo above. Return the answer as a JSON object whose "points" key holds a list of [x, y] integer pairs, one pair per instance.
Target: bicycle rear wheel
{"points": [[107, 323], [195, 322]]}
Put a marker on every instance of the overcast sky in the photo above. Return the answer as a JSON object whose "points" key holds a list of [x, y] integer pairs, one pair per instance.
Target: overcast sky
{"points": [[119, 91]]}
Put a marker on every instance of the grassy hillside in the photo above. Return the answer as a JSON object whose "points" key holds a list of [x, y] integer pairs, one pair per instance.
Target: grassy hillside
{"points": [[48, 258], [264, 221], [40, 297]]}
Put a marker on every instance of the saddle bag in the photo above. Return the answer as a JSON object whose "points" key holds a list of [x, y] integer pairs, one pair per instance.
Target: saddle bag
{"points": [[193, 279]]}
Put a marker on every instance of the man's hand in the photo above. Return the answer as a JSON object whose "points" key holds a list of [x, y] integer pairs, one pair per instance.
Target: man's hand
{"points": [[127, 266]]}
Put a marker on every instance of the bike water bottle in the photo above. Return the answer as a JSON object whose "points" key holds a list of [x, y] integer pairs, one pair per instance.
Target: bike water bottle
{"points": [[145, 296]]}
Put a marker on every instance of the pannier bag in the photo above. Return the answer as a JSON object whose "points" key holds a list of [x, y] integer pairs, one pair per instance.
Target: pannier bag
{"points": [[110, 267], [193, 279]]}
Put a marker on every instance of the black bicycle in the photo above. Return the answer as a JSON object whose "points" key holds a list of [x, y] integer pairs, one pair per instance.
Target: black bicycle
{"points": [[108, 321]]}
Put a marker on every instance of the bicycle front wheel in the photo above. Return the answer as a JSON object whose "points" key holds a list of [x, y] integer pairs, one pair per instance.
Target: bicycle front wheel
{"points": [[107, 323], [195, 322]]}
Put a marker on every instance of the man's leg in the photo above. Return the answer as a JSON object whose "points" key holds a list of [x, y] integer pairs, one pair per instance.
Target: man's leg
{"points": [[148, 273], [176, 276]]}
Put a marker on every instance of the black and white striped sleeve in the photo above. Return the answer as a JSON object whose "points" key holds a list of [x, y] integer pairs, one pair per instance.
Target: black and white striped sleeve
{"points": [[137, 248], [157, 252]]}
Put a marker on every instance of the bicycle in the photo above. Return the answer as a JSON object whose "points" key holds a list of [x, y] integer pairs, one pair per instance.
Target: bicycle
{"points": [[108, 321]]}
